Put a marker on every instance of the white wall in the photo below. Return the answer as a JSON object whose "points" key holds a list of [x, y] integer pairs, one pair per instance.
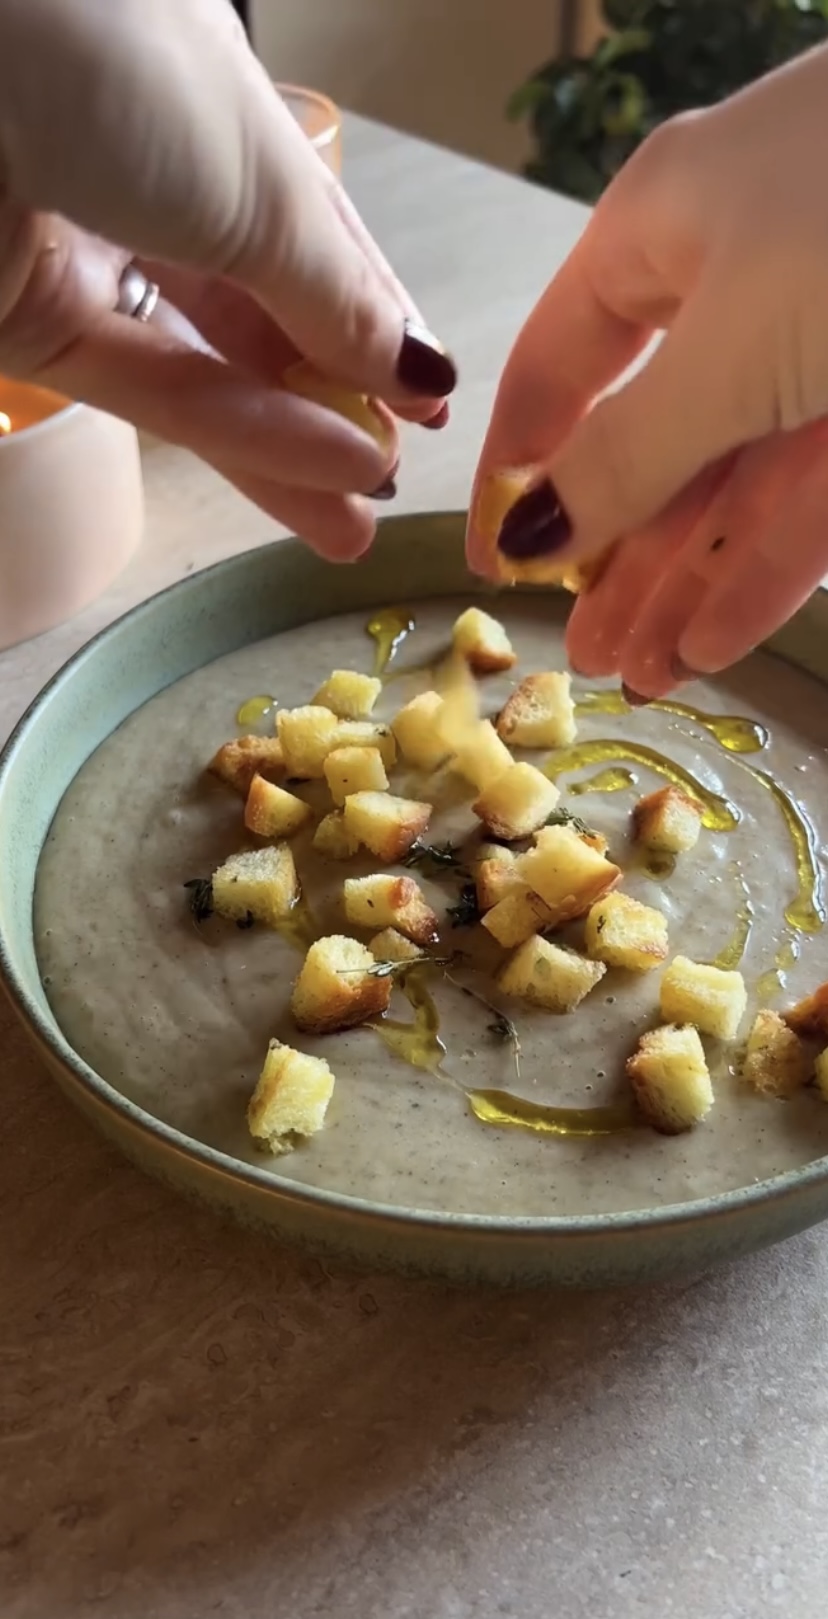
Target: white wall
{"points": [[439, 68]]}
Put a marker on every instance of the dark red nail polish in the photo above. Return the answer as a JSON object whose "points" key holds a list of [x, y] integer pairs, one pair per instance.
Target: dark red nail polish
{"points": [[441, 419], [536, 526], [386, 491], [634, 698], [423, 366]]}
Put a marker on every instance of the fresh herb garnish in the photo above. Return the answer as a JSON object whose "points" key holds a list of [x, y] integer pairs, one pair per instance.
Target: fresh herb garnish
{"points": [[435, 854], [565, 817], [200, 898], [388, 969], [246, 921], [467, 910]]}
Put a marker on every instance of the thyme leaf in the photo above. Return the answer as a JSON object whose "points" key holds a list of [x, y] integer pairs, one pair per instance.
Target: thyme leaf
{"points": [[435, 854], [200, 898], [565, 817], [467, 910]]}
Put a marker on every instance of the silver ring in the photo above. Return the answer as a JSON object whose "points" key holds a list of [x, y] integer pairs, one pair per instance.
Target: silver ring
{"points": [[137, 295]]}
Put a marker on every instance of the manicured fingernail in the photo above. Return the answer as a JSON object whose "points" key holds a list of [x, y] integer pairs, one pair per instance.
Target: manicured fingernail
{"points": [[423, 366], [634, 698], [386, 491], [438, 421], [536, 526], [682, 671]]}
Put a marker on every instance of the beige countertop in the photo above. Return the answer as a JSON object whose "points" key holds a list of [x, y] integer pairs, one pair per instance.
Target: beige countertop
{"points": [[195, 1421]]}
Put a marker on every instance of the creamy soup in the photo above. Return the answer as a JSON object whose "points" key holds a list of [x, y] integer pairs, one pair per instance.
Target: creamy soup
{"points": [[176, 1015]]}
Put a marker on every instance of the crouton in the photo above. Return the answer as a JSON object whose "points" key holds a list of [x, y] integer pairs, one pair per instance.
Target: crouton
{"points": [[349, 695], [260, 883], [668, 820], [390, 945], [337, 987], [670, 1079], [302, 378], [290, 1100], [810, 1016], [821, 1075], [495, 877], [483, 758], [546, 975], [624, 933], [332, 838], [387, 825], [567, 872], [517, 916], [307, 737], [385, 901], [714, 1000], [482, 641], [272, 812], [354, 770], [497, 494], [239, 761], [540, 712], [777, 1062], [366, 734], [459, 711], [517, 803], [419, 741]]}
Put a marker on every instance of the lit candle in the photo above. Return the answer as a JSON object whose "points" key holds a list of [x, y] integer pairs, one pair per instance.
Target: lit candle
{"points": [[22, 405]]}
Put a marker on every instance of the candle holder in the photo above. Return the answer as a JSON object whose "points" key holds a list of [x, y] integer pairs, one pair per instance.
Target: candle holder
{"points": [[71, 507]]}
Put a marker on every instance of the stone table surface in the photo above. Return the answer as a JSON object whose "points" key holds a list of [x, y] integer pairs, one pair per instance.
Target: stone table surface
{"points": [[197, 1421]]}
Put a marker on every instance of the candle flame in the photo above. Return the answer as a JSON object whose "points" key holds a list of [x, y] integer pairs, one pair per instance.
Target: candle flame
{"points": [[5, 422]]}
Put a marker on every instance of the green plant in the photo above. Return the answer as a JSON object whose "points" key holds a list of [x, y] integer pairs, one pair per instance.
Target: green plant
{"points": [[587, 114]]}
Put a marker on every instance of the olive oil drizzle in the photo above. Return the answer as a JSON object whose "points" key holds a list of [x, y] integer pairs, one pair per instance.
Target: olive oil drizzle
{"points": [[388, 629], [300, 927], [772, 983], [255, 709], [613, 780], [734, 732], [806, 912], [417, 1042], [731, 953], [505, 1111], [719, 814]]}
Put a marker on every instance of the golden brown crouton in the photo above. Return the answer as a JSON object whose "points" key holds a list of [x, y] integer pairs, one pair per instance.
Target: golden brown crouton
{"points": [[332, 838], [482, 641], [567, 872], [545, 974], [415, 729], [272, 812], [385, 901], [349, 695], [821, 1075], [290, 1100], [261, 883], [367, 734], [712, 999], [484, 757], [459, 711], [337, 987], [670, 1080], [385, 824], [810, 1016], [239, 761], [354, 770], [517, 803], [516, 917], [495, 877], [497, 494], [668, 820], [390, 945], [307, 737], [624, 933], [777, 1062], [540, 712]]}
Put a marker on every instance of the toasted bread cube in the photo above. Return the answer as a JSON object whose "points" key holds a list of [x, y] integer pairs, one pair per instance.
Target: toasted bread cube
{"points": [[495, 877], [419, 741], [668, 820], [391, 945], [670, 1079], [272, 812], [497, 493], [387, 825], [332, 838], [261, 883], [484, 757], [624, 933], [714, 1000], [349, 695], [482, 641], [459, 711], [307, 736], [517, 803], [390, 902], [540, 712], [810, 1016], [567, 872], [366, 734], [821, 1075], [516, 917], [354, 770], [546, 975], [290, 1100], [777, 1062], [239, 761], [337, 988]]}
